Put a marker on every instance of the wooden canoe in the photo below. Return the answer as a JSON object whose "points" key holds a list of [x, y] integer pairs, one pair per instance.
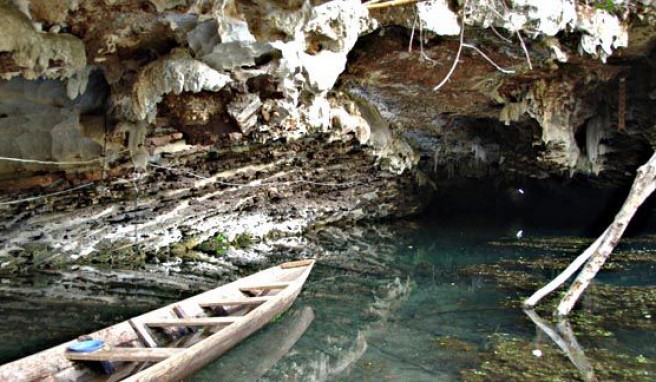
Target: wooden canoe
{"points": [[151, 347]]}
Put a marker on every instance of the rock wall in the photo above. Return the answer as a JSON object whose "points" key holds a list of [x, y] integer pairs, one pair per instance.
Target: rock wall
{"points": [[156, 125]]}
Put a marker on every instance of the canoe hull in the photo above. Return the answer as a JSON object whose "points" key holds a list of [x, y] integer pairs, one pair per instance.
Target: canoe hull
{"points": [[51, 364], [197, 356]]}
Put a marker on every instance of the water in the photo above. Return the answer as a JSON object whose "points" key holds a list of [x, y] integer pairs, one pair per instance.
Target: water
{"points": [[402, 302], [411, 312]]}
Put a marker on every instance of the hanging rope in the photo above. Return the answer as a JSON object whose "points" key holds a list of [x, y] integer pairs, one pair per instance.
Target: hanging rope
{"points": [[101, 159], [285, 183], [65, 163], [46, 195]]}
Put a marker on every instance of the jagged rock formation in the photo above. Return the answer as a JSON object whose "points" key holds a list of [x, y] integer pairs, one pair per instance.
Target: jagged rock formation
{"points": [[148, 123]]}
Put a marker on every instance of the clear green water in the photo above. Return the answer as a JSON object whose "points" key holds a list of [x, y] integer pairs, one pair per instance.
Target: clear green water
{"points": [[448, 322], [394, 303]]}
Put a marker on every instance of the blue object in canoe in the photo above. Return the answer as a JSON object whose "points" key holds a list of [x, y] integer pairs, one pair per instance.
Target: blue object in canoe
{"points": [[87, 346]]}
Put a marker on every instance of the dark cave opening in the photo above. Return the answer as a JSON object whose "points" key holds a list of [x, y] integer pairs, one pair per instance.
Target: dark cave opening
{"points": [[563, 205]]}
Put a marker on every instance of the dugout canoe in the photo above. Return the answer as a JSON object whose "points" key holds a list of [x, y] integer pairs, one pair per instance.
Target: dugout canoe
{"points": [[170, 343]]}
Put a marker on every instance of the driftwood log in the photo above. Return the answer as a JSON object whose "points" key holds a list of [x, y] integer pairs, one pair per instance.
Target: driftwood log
{"points": [[596, 255]]}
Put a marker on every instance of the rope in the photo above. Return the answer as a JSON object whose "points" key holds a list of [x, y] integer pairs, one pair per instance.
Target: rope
{"points": [[63, 163], [301, 181], [46, 195], [50, 162]]}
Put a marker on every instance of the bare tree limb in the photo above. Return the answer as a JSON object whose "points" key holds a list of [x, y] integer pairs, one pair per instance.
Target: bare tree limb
{"points": [[564, 275], [597, 254], [643, 186]]}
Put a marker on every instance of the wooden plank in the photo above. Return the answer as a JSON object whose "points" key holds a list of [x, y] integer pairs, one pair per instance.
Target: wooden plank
{"points": [[195, 357], [296, 264], [192, 321], [267, 286], [143, 334], [52, 362], [236, 301], [124, 355]]}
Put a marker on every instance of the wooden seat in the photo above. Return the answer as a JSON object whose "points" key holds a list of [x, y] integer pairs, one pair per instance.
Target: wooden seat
{"points": [[124, 355], [268, 286], [142, 333], [191, 321], [296, 264], [236, 301]]}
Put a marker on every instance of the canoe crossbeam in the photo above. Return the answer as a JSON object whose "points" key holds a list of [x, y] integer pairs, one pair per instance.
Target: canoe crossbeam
{"points": [[267, 286], [124, 355], [236, 301], [191, 321], [143, 334]]}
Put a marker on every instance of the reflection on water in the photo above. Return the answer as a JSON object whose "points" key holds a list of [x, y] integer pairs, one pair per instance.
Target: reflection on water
{"points": [[398, 303], [563, 336], [421, 302]]}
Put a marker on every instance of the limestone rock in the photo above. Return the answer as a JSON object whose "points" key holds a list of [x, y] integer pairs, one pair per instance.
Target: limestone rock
{"points": [[245, 110], [436, 17], [33, 54], [173, 74]]}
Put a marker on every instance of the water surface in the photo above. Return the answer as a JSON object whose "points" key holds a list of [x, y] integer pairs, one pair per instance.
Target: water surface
{"points": [[401, 302], [396, 303]]}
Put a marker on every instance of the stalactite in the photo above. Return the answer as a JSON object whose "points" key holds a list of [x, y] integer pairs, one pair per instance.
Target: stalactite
{"points": [[480, 153]]}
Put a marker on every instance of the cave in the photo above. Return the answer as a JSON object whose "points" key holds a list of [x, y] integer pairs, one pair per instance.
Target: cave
{"points": [[139, 134]]}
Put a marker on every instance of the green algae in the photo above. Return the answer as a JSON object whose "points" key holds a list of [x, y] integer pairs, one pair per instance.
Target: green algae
{"points": [[116, 255], [625, 307], [567, 244], [514, 359], [455, 344], [504, 277], [243, 240], [603, 306], [217, 245]]}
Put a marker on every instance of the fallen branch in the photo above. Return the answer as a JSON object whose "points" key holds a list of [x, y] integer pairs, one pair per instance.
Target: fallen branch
{"points": [[563, 336], [564, 275], [597, 254]]}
